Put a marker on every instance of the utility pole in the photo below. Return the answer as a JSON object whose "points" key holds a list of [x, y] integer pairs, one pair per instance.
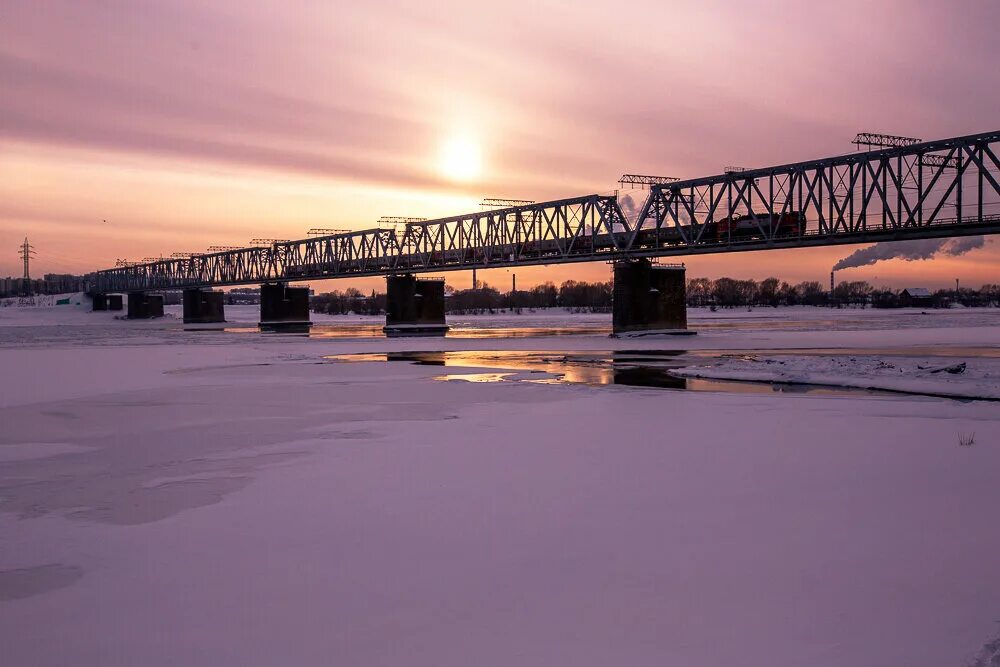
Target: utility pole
{"points": [[26, 252]]}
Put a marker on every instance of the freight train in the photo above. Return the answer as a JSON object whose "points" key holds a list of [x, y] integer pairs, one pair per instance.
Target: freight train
{"points": [[733, 228], [740, 227]]}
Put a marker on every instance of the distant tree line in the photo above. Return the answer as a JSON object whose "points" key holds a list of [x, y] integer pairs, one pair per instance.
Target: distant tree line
{"points": [[731, 293], [573, 294], [719, 293], [351, 300], [986, 296]]}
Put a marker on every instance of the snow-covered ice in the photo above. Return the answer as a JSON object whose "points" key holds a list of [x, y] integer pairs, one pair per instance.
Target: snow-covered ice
{"points": [[170, 497], [973, 378]]}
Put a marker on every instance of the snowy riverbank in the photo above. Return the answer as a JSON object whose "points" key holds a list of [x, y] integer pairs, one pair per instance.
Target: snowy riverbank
{"points": [[235, 498]]}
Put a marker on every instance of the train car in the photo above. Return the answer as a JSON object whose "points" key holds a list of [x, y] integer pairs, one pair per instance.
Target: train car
{"points": [[654, 238], [750, 225]]}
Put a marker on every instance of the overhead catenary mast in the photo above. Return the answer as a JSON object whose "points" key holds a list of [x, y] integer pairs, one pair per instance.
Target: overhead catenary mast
{"points": [[499, 202], [874, 139], [643, 180]]}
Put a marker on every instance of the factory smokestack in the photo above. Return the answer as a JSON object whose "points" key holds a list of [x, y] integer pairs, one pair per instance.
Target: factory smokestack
{"points": [[831, 282]]}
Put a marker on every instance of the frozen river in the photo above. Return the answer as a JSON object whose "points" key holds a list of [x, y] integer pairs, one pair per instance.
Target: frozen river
{"points": [[173, 497]]}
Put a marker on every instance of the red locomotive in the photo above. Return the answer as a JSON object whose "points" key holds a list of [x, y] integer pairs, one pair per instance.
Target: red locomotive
{"points": [[750, 225]]}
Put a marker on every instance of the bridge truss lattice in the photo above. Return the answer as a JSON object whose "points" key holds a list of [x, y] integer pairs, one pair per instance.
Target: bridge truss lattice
{"points": [[931, 189]]}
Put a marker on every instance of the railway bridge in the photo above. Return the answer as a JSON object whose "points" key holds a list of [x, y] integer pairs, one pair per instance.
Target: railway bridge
{"points": [[932, 189]]}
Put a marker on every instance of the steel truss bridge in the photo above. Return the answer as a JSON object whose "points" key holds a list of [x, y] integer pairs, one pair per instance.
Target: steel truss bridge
{"points": [[933, 189]]}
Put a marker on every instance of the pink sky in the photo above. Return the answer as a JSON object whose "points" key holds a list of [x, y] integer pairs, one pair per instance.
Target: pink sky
{"points": [[187, 124]]}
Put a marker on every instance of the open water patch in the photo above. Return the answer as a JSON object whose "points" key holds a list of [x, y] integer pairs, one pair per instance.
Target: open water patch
{"points": [[631, 368]]}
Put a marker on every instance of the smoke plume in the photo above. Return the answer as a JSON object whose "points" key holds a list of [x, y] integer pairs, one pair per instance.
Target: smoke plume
{"points": [[632, 209], [628, 207], [910, 250]]}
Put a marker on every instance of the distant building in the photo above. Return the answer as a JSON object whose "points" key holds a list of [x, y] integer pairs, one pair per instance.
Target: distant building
{"points": [[50, 284], [61, 283], [916, 297]]}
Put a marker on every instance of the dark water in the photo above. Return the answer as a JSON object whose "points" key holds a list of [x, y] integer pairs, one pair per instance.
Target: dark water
{"points": [[355, 330], [633, 368], [509, 325]]}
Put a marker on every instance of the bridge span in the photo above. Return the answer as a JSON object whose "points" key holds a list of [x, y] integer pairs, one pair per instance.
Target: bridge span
{"points": [[934, 189]]}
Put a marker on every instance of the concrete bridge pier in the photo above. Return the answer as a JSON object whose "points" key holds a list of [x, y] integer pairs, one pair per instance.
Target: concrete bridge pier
{"points": [[284, 308], [143, 306], [649, 299], [203, 307], [414, 307], [106, 302]]}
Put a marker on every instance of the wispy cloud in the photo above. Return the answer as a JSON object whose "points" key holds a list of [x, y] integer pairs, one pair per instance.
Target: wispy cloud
{"points": [[362, 94]]}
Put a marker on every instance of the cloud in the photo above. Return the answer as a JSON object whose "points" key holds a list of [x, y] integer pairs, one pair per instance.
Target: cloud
{"points": [[362, 94]]}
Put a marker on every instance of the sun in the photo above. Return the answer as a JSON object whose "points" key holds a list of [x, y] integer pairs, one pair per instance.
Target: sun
{"points": [[460, 158]]}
